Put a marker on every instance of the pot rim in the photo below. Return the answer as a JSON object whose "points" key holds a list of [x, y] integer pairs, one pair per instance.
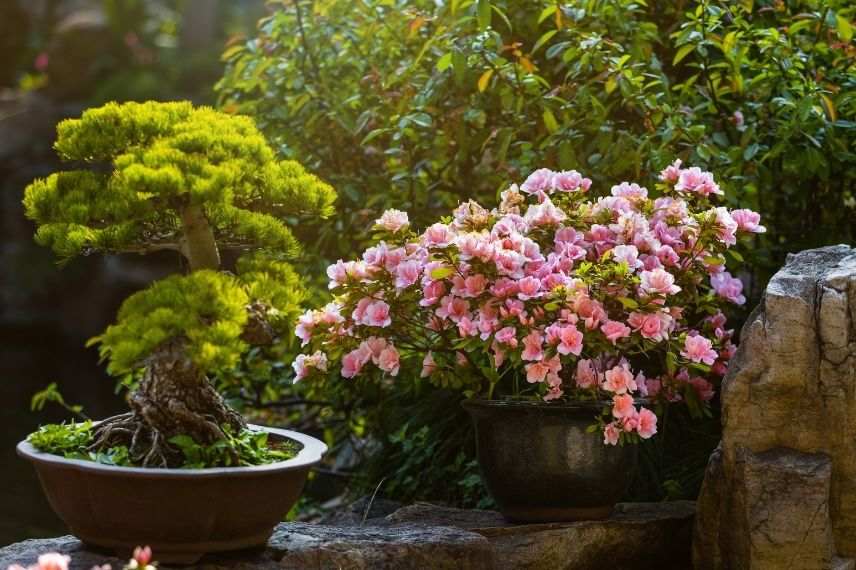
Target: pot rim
{"points": [[483, 403], [310, 454]]}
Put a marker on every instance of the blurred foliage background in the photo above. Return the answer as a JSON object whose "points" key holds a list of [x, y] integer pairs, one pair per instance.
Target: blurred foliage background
{"points": [[418, 105]]}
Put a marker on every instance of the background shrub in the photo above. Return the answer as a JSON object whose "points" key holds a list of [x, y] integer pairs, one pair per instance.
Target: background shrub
{"points": [[418, 105]]}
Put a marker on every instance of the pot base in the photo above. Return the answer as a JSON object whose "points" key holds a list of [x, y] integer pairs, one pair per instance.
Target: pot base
{"points": [[529, 515]]}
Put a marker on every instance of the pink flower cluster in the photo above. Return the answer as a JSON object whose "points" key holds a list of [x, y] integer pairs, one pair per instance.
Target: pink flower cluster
{"points": [[141, 560], [602, 298]]}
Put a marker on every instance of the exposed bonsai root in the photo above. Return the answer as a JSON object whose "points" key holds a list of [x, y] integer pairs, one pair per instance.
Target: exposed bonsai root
{"points": [[174, 398], [158, 451], [114, 431]]}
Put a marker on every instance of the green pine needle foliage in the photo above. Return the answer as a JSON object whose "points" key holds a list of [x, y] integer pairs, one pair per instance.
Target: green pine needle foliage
{"points": [[205, 307], [150, 160], [275, 283]]}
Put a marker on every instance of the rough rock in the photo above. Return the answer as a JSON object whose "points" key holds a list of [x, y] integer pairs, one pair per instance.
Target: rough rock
{"points": [[637, 536], [429, 513], [425, 536], [296, 546], [780, 491]]}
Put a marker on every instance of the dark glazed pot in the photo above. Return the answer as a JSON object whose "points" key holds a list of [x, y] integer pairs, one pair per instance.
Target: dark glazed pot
{"points": [[540, 465], [180, 513]]}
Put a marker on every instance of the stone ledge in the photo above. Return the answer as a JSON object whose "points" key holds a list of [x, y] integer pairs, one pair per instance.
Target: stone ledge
{"points": [[426, 536]]}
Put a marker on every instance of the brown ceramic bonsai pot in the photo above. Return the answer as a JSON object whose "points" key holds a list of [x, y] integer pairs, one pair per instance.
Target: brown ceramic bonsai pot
{"points": [[540, 464], [180, 513]]}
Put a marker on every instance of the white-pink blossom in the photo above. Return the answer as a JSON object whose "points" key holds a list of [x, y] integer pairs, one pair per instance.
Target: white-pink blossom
{"points": [[728, 287], [393, 220]]}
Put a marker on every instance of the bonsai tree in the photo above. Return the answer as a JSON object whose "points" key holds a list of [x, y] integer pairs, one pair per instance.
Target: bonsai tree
{"points": [[168, 176]]}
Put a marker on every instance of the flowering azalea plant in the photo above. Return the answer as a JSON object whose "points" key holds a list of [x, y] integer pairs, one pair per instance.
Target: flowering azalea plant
{"points": [[551, 294]]}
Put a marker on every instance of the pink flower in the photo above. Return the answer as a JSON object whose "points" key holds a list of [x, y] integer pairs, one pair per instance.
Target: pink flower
{"points": [[654, 326], [568, 338], [615, 330], [658, 281], [143, 555], [432, 292], [466, 327], [528, 288], [591, 311], [354, 361], [547, 370], [544, 214], [507, 336], [631, 421], [472, 245], [389, 361], [376, 345], [619, 380], [429, 365], [452, 308], [337, 274], [407, 273], [305, 325], [304, 364], [703, 388], [569, 181], [438, 235], [474, 285], [698, 349], [628, 254], [393, 257], [393, 220], [696, 180], [53, 561], [671, 172], [667, 255], [554, 393], [509, 263], [622, 406], [748, 221], [586, 376], [726, 226], [536, 372], [538, 182], [610, 434], [647, 423], [503, 287], [717, 321], [629, 191], [376, 314], [728, 287], [532, 346]]}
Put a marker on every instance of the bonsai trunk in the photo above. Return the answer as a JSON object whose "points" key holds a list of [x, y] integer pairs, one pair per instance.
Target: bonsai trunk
{"points": [[174, 398], [197, 242]]}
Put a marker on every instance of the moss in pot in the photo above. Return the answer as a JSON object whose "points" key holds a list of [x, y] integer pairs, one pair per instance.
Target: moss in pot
{"points": [[593, 312], [169, 176]]}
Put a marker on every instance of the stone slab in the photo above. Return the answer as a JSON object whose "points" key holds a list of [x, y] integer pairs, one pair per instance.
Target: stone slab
{"points": [[426, 536]]}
